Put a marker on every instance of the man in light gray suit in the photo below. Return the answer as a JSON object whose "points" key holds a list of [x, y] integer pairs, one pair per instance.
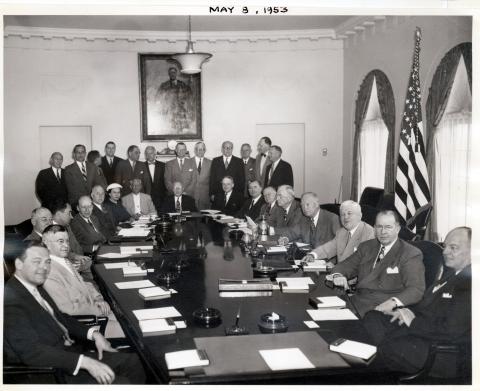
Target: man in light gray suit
{"points": [[262, 161], [202, 176], [137, 203], [346, 240], [181, 169]]}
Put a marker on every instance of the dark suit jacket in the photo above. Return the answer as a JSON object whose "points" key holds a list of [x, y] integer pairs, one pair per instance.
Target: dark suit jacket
{"points": [[168, 206], [234, 203], [32, 335], [118, 211], [186, 175], [106, 220], [124, 173], [76, 185], [218, 172], [269, 213], [49, 189], [155, 187], [260, 174], [108, 171], [85, 234], [252, 212], [404, 279], [294, 216], [282, 175], [249, 170]]}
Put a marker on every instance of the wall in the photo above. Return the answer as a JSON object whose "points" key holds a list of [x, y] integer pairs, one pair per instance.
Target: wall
{"points": [[75, 81], [389, 47]]}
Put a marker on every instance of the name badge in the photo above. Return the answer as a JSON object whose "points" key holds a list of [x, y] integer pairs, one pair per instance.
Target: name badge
{"points": [[446, 295], [393, 270]]}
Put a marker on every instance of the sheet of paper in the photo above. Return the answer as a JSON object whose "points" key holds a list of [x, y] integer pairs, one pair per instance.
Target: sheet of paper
{"points": [[134, 270], [276, 249], [129, 232], [250, 222], [128, 250], [354, 348], [112, 255], [117, 265], [153, 291], [300, 244], [311, 324], [329, 314], [180, 324], [153, 325], [184, 359], [330, 301], [134, 284], [284, 359], [156, 313], [296, 280], [210, 211]]}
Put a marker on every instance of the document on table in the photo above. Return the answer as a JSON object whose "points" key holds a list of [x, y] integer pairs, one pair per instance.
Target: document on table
{"points": [[353, 348], [295, 283], [332, 314], [128, 250], [134, 284], [129, 232], [317, 265], [276, 249], [134, 271], [210, 211], [284, 359], [112, 255], [156, 313], [186, 358], [117, 265], [329, 302]]}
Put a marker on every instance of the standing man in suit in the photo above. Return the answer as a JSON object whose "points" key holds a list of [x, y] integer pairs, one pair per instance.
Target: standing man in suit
{"points": [[444, 314], [137, 203], [104, 215], [80, 176], [252, 206], [129, 169], [288, 212], [346, 240], [36, 333], [248, 166], [226, 165], [228, 201], [109, 162], [202, 176], [41, 219], [389, 271], [180, 169], [153, 180], [178, 201], [262, 161], [279, 172], [50, 184]]}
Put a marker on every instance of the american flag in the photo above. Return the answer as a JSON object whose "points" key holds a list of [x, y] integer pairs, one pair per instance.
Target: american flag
{"points": [[411, 185]]}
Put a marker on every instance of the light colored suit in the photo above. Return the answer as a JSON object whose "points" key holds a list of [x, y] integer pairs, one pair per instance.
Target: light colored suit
{"points": [[146, 204], [202, 184], [340, 246], [173, 173], [260, 174]]}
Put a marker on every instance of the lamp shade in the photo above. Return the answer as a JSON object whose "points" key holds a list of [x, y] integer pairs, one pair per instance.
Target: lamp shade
{"points": [[191, 62]]}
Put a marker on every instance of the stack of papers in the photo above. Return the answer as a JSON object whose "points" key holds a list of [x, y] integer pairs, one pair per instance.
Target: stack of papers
{"points": [[332, 302], [332, 314], [156, 313], [134, 271], [129, 250], [112, 255], [186, 358], [153, 293], [276, 249], [210, 211], [134, 284], [117, 265], [131, 232], [285, 359], [293, 284], [353, 348], [152, 327], [318, 265]]}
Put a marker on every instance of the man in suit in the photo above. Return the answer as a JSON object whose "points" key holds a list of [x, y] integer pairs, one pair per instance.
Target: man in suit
{"points": [[262, 161], [229, 201], [269, 207], [153, 179], [41, 219], [251, 207], [137, 203], [279, 172], [226, 165], [202, 176], [71, 294], [114, 204], [50, 183], [389, 271], [287, 212], [178, 201], [248, 165], [80, 176], [86, 227], [109, 162], [36, 333], [444, 314], [104, 216], [317, 227], [347, 238], [129, 169], [180, 169]]}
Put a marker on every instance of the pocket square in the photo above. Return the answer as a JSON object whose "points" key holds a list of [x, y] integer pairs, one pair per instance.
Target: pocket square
{"points": [[250, 169], [354, 249], [190, 169], [446, 295], [392, 270]]}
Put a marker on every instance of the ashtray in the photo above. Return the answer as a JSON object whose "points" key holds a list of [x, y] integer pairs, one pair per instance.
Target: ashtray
{"points": [[264, 272], [272, 323], [207, 317], [167, 278]]}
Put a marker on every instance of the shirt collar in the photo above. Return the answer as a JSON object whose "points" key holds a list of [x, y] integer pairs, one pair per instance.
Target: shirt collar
{"points": [[54, 169], [288, 207], [388, 247], [352, 231], [315, 218], [136, 195], [99, 206], [256, 199], [79, 164]]}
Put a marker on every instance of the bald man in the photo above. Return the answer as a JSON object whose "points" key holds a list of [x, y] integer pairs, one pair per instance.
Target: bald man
{"points": [[226, 165], [50, 183]]}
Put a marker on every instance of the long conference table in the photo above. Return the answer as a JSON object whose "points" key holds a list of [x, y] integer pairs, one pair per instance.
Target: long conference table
{"points": [[201, 251]]}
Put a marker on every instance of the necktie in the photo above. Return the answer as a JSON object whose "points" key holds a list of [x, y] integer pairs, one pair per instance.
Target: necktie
{"points": [[251, 205], [312, 229], [271, 172], [91, 225], [133, 166], [226, 164], [111, 161], [348, 239], [181, 164], [58, 174], [245, 161], [285, 215], [225, 199], [380, 256], [178, 205], [267, 209], [84, 172], [200, 166]]}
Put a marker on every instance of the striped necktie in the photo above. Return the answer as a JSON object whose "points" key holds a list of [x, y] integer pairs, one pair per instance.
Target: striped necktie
{"points": [[84, 172], [200, 166], [380, 256], [58, 174]]}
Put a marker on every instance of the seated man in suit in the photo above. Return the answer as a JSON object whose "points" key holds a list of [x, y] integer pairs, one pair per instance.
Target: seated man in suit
{"points": [[279, 172], [114, 204], [104, 216], [269, 206], [137, 203], [66, 287], [50, 183], [389, 271], [346, 240], [444, 314], [288, 213], [36, 333], [251, 207], [86, 226], [41, 219], [109, 161], [178, 201], [316, 228], [229, 201]]}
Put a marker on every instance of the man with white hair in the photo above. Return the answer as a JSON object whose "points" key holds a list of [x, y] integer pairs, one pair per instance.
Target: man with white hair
{"points": [[288, 213], [346, 240], [41, 218]]}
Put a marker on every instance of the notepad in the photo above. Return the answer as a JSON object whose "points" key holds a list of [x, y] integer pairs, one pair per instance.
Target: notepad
{"points": [[332, 314], [318, 265], [134, 271], [276, 249], [152, 327], [186, 359], [117, 265], [285, 359], [156, 313], [134, 284], [332, 302], [112, 256], [153, 293], [353, 348], [294, 283]]}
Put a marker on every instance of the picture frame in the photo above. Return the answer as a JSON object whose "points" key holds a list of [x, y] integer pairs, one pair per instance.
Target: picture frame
{"points": [[170, 101]]}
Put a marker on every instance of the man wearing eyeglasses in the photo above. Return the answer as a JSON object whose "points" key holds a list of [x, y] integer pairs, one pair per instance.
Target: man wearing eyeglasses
{"points": [[389, 271]]}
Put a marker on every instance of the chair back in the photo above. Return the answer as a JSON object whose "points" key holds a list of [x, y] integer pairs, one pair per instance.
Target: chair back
{"points": [[24, 228], [12, 248], [432, 259], [371, 196], [419, 220]]}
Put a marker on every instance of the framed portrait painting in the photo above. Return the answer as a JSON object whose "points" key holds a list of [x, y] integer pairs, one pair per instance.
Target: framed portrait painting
{"points": [[170, 100]]}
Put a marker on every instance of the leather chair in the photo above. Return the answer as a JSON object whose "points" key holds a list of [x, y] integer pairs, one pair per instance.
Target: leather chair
{"points": [[371, 196], [432, 260], [24, 228]]}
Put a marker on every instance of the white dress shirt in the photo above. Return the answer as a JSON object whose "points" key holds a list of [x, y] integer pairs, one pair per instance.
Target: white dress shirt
{"points": [[136, 202], [58, 172], [151, 168]]}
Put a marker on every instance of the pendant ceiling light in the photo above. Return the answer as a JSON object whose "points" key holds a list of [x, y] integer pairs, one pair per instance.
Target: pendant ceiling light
{"points": [[190, 61]]}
